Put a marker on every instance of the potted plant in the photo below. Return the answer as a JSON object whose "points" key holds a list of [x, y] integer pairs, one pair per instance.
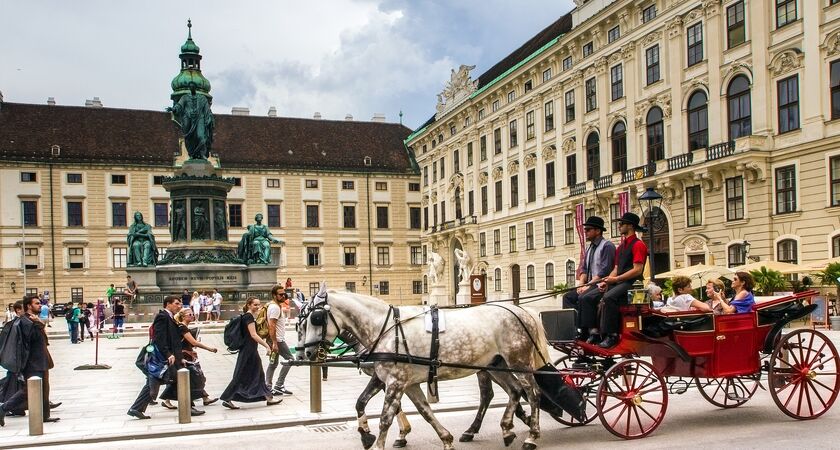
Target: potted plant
{"points": [[830, 276], [768, 281]]}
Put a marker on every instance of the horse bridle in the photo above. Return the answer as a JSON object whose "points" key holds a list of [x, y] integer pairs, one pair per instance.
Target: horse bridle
{"points": [[317, 314]]}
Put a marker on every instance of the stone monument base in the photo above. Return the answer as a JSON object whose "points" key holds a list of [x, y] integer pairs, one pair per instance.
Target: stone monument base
{"points": [[463, 295], [437, 296], [237, 280]]}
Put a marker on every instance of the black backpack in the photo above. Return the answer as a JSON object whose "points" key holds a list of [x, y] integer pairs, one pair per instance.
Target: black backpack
{"points": [[69, 314], [234, 334]]}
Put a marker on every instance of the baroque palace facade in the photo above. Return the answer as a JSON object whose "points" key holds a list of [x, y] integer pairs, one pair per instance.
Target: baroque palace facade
{"points": [[343, 197], [727, 108]]}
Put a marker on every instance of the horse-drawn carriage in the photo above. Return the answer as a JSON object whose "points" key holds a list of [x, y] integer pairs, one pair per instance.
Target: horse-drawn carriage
{"points": [[724, 356]]}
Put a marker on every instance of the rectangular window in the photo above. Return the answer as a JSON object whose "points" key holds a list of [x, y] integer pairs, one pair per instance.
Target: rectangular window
{"points": [[652, 64], [549, 179], [497, 242], [482, 148], [349, 216], [312, 216], [570, 105], [569, 229], [383, 256], [529, 236], [237, 181], [381, 217], [835, 89], [512, 128], [511, 96], [414, 217], [788, 104], [74, 178], [693, 206], [118, 256], [425, 217], [546, 74], [117, 179], [497, 141], [416, 287], [235, 215], [77, 294], [349, 185], [785, 12], [548, 232], [736, 32], [161, 214], [587, 49], [529, 125], [834, 165], [735, 198], [548, 123], [384, 288], [512, 238], [416, 255], [528, 86], [349, 256], [452, 130], [469, 154], [567, 63], [648, 13], [616, 83], [313, 256], [532, 185], [694, 36], [77, 258], [157, 180], [471, 203], [484, 200], [314, 287], [30, 258], [426, 176], [118, 218], [383, 186], [591, 95], [614, 216], [571, 170], [273, 215], [495, 106], [785, 189], [413, 187], [613, 34], [272, 183], [30, 213], [514, 191], [74, 214], [498, 196]]}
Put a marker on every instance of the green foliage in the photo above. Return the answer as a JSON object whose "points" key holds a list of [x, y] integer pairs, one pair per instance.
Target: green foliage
{"points": [[768, 281], [829, 276], [560, 287], [667, 289]]}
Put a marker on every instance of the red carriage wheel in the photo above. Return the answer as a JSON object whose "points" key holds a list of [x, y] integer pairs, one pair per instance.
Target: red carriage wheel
{"points": [[727, 392], [803, 374], [588, 387], [632, 399]]}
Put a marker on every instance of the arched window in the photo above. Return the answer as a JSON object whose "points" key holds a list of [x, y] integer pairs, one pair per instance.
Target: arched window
{"points": [[570, 273], [530, 278], [549, 275], [698, 121], [497, 279], [786, 251], [655, 135], [835, 246], [619, 147], [593, 157], [737, 255], [740, 111]]}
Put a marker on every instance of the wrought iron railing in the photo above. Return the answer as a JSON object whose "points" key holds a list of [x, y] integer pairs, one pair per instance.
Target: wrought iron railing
{"points": [[680, 161], [721, 150], [637, 173], [577, 189]]}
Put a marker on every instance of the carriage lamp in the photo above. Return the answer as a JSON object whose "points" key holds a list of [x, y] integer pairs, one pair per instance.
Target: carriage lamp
{"points": [[746, 245], [654, 201]]}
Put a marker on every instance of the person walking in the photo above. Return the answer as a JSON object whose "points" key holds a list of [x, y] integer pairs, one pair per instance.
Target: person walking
{"points": [[84, 320], [38, 361], [73, 318], [119, 316], [185, 298], [277, 313], [216, 305], [44, 314], [190, 357], [248, 381]]}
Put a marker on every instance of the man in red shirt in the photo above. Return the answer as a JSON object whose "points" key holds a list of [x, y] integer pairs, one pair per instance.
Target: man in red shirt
{"points": [[630, 258]]}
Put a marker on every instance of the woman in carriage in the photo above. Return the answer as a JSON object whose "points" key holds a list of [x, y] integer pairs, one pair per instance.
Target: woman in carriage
{"points": [[744, 299]]}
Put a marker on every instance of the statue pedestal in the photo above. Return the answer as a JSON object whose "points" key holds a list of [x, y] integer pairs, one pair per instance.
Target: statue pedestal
{"points": [[146, 279], [437, 296], [463, 295]]}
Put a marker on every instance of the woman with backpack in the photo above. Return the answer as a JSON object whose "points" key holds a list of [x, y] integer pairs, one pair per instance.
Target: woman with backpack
{"points": [[248, 382]]}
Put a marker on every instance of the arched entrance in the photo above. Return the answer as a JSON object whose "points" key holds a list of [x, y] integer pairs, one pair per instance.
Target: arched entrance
{"points": [[456, 268], [514, 281], [661, 251]]}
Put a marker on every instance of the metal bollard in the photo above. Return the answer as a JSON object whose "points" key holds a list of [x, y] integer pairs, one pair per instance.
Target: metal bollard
{"points": [[184, 406], [315, 388], [35, 394]]}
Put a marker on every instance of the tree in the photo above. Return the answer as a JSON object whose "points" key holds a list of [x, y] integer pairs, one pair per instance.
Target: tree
{"points": [[830, 276], [768, 281]]}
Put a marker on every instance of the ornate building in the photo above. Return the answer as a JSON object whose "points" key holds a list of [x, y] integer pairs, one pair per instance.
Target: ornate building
{"points": [[699, 100], [342, 197]]}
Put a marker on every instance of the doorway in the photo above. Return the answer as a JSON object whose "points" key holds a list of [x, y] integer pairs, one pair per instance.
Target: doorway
{"points": [[514, 281]]}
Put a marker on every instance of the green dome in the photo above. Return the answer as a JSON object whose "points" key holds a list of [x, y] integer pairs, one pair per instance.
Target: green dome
{"points": [[181, 82], [189, 46]]}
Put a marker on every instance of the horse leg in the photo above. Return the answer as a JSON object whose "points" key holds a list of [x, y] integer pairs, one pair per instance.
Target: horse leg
{"points": [[529, 383], [509, 383], [393, 394], [405, 428], [485, 389], [506, 423], [373, 387], [419, 399]]}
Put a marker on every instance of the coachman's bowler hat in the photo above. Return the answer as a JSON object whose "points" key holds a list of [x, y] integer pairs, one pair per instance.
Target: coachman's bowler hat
{"points": [[632, 219], [595, 222]]}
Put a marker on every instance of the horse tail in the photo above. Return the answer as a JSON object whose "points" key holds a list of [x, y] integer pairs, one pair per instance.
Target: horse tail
{"points": [[539, 355]]}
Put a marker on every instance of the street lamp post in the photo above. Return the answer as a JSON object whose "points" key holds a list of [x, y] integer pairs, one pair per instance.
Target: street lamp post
{"points": [[653, 200], [746, 250]]}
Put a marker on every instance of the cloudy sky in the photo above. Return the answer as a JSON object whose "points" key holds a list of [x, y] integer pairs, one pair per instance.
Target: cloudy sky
{"points": [[333, 56]]}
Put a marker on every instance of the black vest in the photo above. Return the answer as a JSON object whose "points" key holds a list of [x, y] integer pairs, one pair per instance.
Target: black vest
{"points": [[624, 260]]}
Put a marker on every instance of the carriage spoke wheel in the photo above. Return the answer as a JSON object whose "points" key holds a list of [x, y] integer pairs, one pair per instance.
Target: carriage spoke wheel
{"points": [[729, 392], [588, 388], [803, 374], [632, 399]]}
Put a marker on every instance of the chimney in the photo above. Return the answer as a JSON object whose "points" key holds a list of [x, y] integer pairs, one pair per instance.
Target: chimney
{"points": [[272, 112], [1, 99], [95, 103], [317, 116], [51, 101], [378, 117], [348, 117], [240, 111]]}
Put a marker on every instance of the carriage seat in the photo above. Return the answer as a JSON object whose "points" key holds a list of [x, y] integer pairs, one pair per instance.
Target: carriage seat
{"points": [[662, 323]]}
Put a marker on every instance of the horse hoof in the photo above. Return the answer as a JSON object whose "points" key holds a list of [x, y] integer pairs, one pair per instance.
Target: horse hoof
{"points": [[368, 440], [529, 446], [509, 438], [400, 443], [466, 437]]}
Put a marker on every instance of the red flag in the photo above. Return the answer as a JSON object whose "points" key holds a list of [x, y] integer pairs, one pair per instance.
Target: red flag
{"points": [[623, 203]]}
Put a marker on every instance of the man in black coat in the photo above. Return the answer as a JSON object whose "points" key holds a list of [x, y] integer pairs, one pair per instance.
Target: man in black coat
{"points": [[38, 359], [165, 336]]}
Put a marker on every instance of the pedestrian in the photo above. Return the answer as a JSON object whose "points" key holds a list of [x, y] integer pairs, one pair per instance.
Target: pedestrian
{"points": [[288, 283], [248, 381], [38, 361], [197, 379], [131, 289], [73, 318], [277, 313], [195, 304], [166, 340], [100, 314], [217, 305], [185, 298], [119, 316], [44, 314], [110, 292], [86, 320], [10, 314], [207, 305]]}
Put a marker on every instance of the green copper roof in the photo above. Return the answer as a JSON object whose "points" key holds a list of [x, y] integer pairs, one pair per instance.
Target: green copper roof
{"points": [[190, 74], [189, 46]]}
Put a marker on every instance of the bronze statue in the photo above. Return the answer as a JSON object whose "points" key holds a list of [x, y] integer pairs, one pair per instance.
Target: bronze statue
{"points": [[255, 246], [142, 251], [220, 221], [179, 223], [200, 226], [192, 113]]}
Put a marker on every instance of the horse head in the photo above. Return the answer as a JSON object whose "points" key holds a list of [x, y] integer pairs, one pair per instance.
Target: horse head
{"points": [[317, 328]]}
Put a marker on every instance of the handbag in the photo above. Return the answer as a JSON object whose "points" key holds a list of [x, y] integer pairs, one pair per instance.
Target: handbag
{"points": [[155, 363]]}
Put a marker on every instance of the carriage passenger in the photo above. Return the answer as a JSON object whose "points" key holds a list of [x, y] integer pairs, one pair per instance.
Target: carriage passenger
{"points": [[684, 301], [743, 300], [714, 292]]}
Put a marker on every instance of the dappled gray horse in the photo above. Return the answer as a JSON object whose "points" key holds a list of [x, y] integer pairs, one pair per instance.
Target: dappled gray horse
{"points": [[476, 337]]}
